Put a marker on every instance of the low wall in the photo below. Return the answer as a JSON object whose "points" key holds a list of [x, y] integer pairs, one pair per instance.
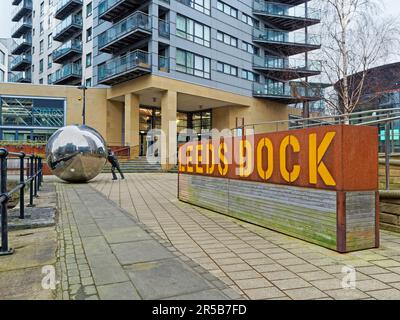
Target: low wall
{"points": [[390, 210], [306, 183]]}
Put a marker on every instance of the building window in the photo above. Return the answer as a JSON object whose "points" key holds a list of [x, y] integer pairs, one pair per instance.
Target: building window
{"points": [[88, 82], [251, 76], [89, 9], [222, 6], [203, 6], [50, 21], [41, 81], [42, 9], [41, 27], [2, 76], [227, 39], [249, 20], [2, 58], [50, 40], [41, 66], [190, 63], [193, 31], [88, 34], [50, 2], [227, 69], [49, 61], [88, 60], [41, 46], [49, 78], [250, 48]]}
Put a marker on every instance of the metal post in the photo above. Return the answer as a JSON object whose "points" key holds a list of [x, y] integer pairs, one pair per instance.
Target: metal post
{"points": [[22, 190], [40, 172], [36, 178], [31, 181], [387, 154], [4, 250]]}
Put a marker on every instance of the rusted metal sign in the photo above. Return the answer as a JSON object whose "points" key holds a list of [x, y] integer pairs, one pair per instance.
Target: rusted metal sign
{"points": [[317, 184]]}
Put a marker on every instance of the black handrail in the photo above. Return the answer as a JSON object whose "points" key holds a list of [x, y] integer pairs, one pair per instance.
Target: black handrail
{"points": [[34, 178]]}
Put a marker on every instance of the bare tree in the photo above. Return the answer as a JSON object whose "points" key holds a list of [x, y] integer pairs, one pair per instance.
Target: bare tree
{"points": [[354, 39]]}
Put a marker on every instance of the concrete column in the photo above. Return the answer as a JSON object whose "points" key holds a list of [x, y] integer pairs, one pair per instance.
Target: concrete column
{"points": [[169, 102], [131, 119]]}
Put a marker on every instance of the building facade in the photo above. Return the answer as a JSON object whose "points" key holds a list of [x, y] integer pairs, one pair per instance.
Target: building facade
{"points": [[54, 41], [3, 62], [200, 64]]}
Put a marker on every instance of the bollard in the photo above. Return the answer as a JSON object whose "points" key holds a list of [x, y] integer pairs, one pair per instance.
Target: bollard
{"points": [[4, 250], [22, 190], [40, 172]]}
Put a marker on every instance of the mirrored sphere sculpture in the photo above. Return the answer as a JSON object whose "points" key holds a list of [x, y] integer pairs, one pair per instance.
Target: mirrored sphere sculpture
{"points": [[76, 153]]}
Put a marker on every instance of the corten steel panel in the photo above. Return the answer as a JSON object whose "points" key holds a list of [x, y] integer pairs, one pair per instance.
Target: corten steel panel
{"points": [[351, 157]]}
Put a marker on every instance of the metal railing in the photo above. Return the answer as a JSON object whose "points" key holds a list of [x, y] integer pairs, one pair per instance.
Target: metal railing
{"points": [[34, 178], [287, 63]]}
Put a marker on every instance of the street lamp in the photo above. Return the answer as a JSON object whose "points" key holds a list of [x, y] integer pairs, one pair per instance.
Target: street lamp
{"points": [[83, 88]]}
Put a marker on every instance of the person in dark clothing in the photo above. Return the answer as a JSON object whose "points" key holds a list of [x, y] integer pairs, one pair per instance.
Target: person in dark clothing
{"points": [[112, 158]]}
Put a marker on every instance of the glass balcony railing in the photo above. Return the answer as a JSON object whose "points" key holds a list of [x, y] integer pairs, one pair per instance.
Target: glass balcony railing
{"points": [[297, 37], [24, 76], [138, 20], [24, 58], [272, 62], [20, 10], [285, 10], [63, 3], [26, 22], [19, 43], [71, 45], [64, 6], [72, 20], [123, 64], [163, 29], [284, 89], [105, 5], [67, 71], [163, 64]]}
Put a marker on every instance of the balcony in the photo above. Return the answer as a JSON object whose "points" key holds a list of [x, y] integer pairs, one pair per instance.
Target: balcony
{"points": [[163, 29], [288, 93], [65, 7], [284, 69], [24, 8], [21, 63], [21, 46], [67, 51], [123, 68], [286, 17], [163, 64], [286, 43], [67, 28], [69, 74], [124, 33], [21, 77], [21, 28], [113, 10]]}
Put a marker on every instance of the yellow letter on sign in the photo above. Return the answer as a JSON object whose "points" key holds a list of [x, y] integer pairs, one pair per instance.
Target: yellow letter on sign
{"points": [[316, 164], [286, 175], [266, 144]]}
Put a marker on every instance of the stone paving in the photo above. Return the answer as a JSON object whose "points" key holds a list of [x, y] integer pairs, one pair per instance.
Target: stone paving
{"points": [[255, 262], [104, 253]]}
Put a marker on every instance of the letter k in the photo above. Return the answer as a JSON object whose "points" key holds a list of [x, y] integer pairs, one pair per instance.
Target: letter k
{"points": [[316, 165]]}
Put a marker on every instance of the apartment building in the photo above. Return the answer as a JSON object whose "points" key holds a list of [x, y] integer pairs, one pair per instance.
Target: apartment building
{"points": [[201, 64], [54, 41]]}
